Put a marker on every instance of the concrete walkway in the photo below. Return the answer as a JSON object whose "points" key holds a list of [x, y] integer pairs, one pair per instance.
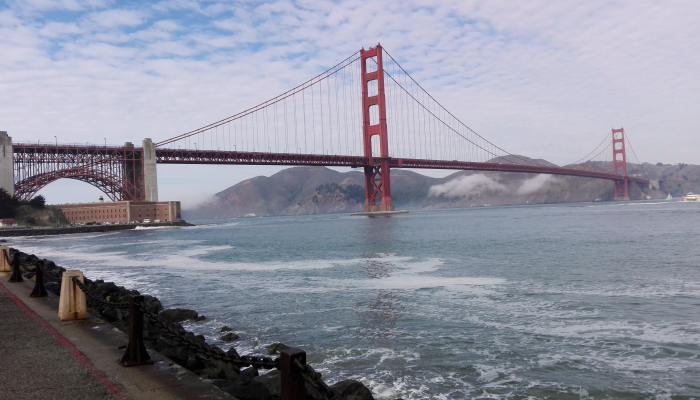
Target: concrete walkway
{"points": [[36, 365], [43, 358]]}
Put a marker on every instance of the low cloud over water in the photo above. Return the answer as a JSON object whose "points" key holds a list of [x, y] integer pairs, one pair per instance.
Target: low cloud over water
{"points": [[478, 182]]}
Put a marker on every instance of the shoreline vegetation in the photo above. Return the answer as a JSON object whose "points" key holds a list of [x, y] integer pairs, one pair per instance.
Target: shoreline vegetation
{"points": [[33, 213], [245, 384]]}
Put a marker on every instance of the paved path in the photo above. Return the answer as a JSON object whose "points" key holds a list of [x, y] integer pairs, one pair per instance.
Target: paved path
{"points": [[43, 358], [38, 363]]}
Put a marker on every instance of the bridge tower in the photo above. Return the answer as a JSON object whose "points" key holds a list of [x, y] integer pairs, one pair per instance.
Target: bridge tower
{"points": [[377, 184], [150, 175], [620, 164], [7, 177]]}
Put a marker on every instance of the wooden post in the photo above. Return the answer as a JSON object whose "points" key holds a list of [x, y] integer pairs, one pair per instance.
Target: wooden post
{"points": [[72, 304], [4, 256]]}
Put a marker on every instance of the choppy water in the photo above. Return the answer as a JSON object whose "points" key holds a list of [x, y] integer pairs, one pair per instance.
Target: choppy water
{"points": [[570, 301]]}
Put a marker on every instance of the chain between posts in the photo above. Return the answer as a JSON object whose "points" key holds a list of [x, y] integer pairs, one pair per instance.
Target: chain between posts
{"points": [[314, 379], [97, 299], [47, 276]]}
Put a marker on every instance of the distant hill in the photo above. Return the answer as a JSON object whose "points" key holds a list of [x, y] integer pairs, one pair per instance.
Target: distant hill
{"points": [[319, 190], [677, 179]]}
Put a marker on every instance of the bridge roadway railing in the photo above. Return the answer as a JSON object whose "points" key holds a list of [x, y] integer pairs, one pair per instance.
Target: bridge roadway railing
{"points": [[294, 371], [40, 147], [178, 156]]}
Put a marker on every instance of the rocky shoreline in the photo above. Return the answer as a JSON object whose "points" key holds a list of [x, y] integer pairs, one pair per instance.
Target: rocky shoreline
{"points": [[246, 384], [8, 232]]}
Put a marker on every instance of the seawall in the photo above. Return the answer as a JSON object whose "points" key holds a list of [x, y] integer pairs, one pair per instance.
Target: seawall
{"points": [[9, 232]]}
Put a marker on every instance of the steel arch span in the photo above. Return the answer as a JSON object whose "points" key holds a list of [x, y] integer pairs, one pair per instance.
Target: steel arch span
{"points": [[111, 185], [116, 171]]}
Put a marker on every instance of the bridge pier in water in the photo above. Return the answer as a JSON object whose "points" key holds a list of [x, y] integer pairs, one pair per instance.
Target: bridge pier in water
{"points": [[7, 177]]}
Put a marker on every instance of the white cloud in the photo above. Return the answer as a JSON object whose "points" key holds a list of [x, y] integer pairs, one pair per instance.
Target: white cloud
{"points": [[542, 78], [61, 5], [117, 18], [535, 184], [59, 29], [464, 185]]}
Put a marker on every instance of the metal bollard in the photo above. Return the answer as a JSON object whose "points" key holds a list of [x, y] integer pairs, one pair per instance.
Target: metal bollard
{"points": [[39, 289], [16, 270], [293, 383], [135, 353]]}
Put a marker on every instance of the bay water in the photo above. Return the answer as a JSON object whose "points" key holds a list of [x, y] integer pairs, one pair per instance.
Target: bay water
{"points": [[579, 301]]}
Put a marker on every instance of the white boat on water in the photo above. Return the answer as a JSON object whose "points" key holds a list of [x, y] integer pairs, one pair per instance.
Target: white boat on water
{"points": [[691, 197], [669, 197]]}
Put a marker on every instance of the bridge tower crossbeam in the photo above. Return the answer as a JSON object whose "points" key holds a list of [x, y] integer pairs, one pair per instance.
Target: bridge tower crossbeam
{"points": [[377, 181]]}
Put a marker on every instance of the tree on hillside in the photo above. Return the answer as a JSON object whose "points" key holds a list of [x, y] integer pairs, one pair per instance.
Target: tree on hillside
{"points": [[8, 204], [38, 202]]}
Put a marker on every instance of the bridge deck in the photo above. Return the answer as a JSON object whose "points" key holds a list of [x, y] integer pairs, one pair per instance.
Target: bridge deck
{"points": [[170, 156], [180, 156]]}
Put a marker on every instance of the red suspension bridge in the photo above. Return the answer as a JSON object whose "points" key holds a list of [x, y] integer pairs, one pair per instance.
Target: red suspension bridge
{"points": [[365, 112]]}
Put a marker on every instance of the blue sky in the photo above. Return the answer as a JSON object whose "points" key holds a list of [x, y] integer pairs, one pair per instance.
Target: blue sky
{"points": [[546, 79]]}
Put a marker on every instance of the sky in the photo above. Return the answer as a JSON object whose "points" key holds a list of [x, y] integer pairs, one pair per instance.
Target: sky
{"points": [[546, 79]]}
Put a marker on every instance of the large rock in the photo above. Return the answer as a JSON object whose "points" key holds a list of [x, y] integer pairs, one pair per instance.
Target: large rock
{"points": [[272, 382], [229, 337], [275, 348], [178, 314], [352, 390], [178, 354], [251, 390], [232, 353]]}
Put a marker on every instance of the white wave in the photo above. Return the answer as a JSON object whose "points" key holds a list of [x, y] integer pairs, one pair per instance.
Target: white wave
{"points": [[141, 227], [214, 225]]}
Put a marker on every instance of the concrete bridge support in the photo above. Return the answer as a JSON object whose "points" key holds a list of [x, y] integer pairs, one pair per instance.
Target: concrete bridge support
{"points": [[7, 174], [150, 174]]}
